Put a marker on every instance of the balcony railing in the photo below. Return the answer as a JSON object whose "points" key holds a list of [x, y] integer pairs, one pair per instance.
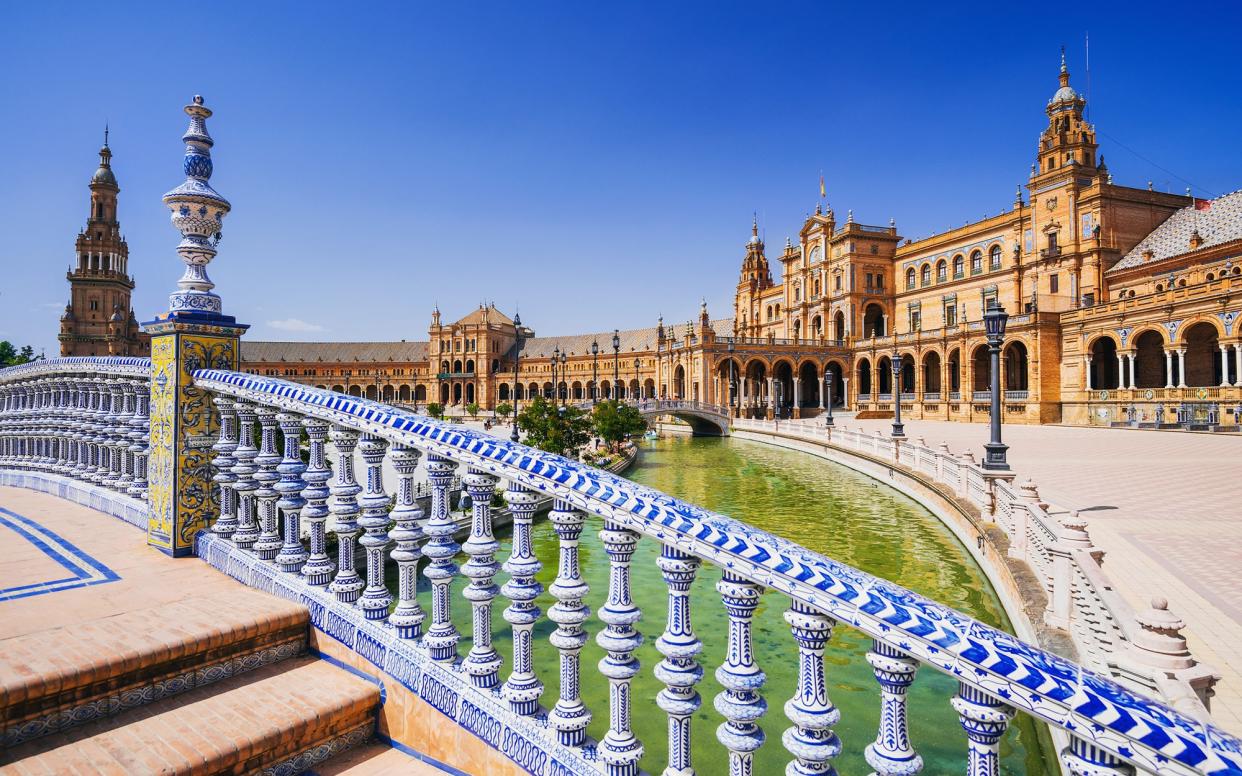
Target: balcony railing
{"points": [[1017, 395], [981, 396], [85, 425]]}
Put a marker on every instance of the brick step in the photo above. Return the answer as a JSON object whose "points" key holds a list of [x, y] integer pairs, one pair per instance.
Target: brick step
{"points": [[376, 759], [291, 715], [55, 679]]}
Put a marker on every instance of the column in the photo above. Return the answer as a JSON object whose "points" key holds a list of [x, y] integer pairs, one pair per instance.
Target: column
{"points": [[570, 716], [1237, 364], [1121, 370], [442, 637], [620, 749], [347, 585], [679, 670], [1181, 367], [985, 720], [845, 391], [375, 598], [811, 741], [193, 334], [226, 521], [1224, 366], [292, 555], [1168, 368], [268, 542], [523, 688], [408, 617], [740, 703], [891, 754], [244, 483], [318, 568], [483, 662]]}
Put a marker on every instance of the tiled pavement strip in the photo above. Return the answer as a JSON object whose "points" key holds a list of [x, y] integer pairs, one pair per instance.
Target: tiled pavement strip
{"points": [[1165, 506]]}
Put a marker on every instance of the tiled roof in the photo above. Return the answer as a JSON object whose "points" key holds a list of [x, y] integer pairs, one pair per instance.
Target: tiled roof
{"points": [[493, 316], [1220, 223], [632, 340], [332, 352]]}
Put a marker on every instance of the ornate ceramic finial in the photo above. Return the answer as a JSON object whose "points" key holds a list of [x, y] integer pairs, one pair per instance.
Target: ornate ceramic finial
{"points": [[1064, 69], [850, 216], [197, 212]]}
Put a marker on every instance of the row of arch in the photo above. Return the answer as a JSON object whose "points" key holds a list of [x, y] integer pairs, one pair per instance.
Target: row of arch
{"points": [[941, 268], [1193, 359], [931, 375]]}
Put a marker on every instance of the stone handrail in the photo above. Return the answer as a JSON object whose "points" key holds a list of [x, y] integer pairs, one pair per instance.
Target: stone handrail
{"points": [[1110, 637], [266, 493]]}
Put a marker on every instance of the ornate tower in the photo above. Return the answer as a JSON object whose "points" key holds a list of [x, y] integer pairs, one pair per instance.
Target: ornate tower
{"points": [[1068, 143], [98, 320], [756, 276]]}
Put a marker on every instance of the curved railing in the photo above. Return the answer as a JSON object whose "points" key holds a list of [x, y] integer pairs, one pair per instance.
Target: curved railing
{"points": [[1108, 725], [266, 493]]}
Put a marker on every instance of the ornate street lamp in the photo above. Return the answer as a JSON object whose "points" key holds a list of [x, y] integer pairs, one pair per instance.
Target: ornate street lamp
{"points": [[595, 370], [517, 361], [731, 399], [898, 429], [994, 320], [638, 388], [616, 362], [556, 359], [564, 395], [828, 390]]}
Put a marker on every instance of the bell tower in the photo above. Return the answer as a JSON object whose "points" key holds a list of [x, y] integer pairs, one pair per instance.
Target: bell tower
{"points": [[98, 321], [756, 276], [1068, 144]]}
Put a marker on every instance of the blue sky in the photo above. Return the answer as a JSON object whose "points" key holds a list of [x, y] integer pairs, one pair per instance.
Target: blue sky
{"points": [[596, 164]]}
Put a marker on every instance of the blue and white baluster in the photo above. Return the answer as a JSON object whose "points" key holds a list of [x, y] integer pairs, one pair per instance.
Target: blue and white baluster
{"points": [[347, 585], [407, 618], [620, 749], [811, 741], [523, 688], [984, 719], [108, 437], [292, 555], [570, 716], [891, 754], [1083, 758], [483, 662], [81, 422], [375, 598], [140, 438], [740, 704], [226, 444], [247, 526], [679, 670], [442, 636], [318, 568], [99, 436], [124, 421], [268, 542]]}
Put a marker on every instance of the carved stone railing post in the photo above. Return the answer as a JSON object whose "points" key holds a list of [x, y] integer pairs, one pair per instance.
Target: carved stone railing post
{"points": [[347, 585], [891, 754], [375, 598], [811, 741], [442, 636], [247, 526], [318, 567], [268, 542], [570, 716], [523, 688], [984, 719], [292, 555], [740, 703], [620, 749], [679, 670], [483, 661], [226, 444], [408, 617]]}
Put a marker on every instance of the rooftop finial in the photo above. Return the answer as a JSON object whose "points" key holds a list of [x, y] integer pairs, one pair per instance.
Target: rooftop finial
{"points": [[105, 134], [754, 224], [1064, 77], [1063, 68]]}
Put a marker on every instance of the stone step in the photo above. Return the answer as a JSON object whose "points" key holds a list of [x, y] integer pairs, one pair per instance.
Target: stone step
{"points": [[54, 679], [376, 759], [290, 716]]}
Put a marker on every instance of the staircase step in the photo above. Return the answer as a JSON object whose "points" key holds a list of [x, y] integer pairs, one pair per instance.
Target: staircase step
{"points": [[55, 679], [376, 759], [291, 715]]}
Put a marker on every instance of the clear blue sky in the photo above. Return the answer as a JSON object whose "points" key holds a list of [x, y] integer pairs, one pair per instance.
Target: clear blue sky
{"points": [[595, 163]]}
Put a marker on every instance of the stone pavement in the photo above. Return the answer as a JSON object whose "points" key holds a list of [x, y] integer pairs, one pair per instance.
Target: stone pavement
{"points": [[1165, 506]]}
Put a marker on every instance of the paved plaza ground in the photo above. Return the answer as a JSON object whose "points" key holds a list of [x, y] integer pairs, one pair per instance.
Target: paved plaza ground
{"points": [[1166, 507]]}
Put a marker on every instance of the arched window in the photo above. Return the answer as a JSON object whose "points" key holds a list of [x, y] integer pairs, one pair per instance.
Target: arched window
{"points": [[941, 271], [976, 263], [910, 278], [994, 257], [959, 265], [797, 292], [925, 274], [769, 312]]}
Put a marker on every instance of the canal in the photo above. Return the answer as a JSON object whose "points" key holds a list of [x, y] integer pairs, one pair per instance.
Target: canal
{"points": [[826, 508]]}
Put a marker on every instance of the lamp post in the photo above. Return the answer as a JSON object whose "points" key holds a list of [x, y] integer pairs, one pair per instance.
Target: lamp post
{"points": [[898, 429], [517, 361], [595, 370], [565, 395], [637, 388], [994, 320], [616, 362], [732, 397], [556, 358], [828, 390]]}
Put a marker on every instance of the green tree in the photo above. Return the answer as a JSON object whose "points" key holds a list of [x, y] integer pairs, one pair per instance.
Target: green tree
{"points": [[504, 409], [561, 430], [615, 420], [436, 410], [11, 356], [472, 409]]}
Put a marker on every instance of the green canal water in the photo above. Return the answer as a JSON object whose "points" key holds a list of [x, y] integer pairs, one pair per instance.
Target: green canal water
{"points": [[826, 508]]}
